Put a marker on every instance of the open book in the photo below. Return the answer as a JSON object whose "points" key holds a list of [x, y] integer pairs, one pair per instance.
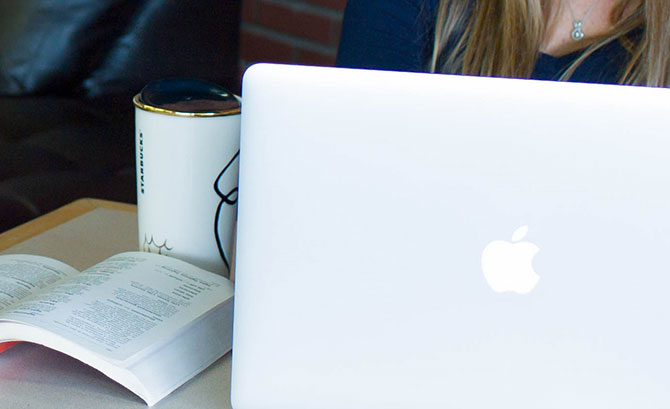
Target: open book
{"points": [[147, 321]]}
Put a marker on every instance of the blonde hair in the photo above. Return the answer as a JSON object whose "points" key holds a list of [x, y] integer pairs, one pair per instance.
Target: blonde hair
{"points": [[503, 38]]}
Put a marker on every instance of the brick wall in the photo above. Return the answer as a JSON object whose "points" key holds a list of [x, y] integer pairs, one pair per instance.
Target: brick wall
{"points": [[290, 31]]}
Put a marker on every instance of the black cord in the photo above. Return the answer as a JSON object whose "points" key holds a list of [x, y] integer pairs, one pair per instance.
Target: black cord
{"points": [[226, 199]]}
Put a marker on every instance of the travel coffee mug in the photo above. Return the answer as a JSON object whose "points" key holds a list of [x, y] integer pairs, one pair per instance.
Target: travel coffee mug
{"points": [[187, 149]]}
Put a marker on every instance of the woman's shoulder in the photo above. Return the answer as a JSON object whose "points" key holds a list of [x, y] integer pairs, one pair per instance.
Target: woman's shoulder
{"points": [[391, 6], [386, 34]]}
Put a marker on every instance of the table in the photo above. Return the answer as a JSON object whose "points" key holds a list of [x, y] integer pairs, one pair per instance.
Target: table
{"points": [[32, 376]]}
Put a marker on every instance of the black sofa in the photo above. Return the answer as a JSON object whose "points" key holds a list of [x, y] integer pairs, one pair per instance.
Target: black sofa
{"points": [[68, 72]]}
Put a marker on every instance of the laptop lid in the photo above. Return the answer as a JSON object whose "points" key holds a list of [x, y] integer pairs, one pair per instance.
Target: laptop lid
{"points": [[432, 241]]}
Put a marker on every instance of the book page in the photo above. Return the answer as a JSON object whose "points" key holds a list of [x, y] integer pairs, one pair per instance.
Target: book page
{"points": [[22, 276], [124, 304]]}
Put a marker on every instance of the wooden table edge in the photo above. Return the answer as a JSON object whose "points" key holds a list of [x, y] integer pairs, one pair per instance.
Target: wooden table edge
{"points": [[58, 216]]}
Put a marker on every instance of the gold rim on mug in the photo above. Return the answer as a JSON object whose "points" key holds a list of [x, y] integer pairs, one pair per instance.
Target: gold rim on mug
{"points": [[150, 108]]}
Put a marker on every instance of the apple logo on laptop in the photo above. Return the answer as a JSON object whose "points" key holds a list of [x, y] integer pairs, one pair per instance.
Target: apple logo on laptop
{"points": [[508, 266]]}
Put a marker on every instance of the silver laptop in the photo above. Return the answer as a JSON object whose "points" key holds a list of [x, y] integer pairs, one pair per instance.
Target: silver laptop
{"points": [[434, 241]]}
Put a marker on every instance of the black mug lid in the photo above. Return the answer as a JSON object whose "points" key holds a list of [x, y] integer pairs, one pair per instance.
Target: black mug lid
{"points": [[187, 97]]}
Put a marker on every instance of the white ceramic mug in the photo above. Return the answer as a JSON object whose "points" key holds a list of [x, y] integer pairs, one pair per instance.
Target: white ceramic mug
{"points": [[187, 149]]}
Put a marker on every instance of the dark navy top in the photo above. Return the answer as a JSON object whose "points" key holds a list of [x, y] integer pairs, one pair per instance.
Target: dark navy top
{"points": [[397, 35]]}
